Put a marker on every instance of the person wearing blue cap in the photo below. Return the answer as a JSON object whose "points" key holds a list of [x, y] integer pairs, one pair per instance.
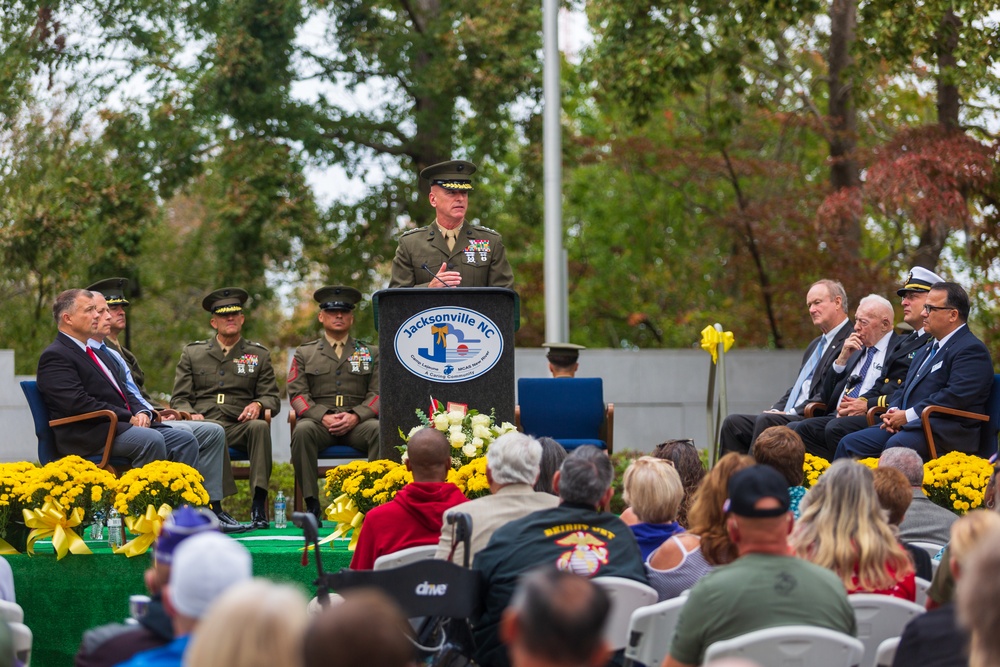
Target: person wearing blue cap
{"points": [[451, 252]]}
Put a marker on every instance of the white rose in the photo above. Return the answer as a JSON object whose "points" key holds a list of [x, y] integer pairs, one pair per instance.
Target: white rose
{"points": [[469, 450], [481, 420], [455, 428], [480, 431], [456, 417], [441, 422], [406, 457], [413, 431], [506, 427], [457, 439], [477, 443]]}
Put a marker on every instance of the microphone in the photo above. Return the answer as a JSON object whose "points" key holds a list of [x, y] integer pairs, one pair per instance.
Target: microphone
{"points": [[434, 275]]}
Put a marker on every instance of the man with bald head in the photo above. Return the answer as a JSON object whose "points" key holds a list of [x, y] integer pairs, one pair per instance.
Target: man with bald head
{"points": [[413, 517]]}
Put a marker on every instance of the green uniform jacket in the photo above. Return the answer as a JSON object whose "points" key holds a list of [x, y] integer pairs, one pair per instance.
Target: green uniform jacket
{"points": [[319, 383], [218, 386], [478, 255]]}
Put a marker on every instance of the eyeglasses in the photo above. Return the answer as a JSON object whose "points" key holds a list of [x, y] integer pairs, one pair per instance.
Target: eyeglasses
{"points": [[930, 309]]}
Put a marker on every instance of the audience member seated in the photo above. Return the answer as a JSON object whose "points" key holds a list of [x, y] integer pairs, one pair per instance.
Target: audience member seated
{"points": [[204, 567], [934, 639], [556, 619], [781, 448], [112, 644], [511, 468], [924, 521], [653, 490], [842, 528], [684, 455], [553, 454], [765, 587], [413, 517], [576, 536], [366, 628], [708, 516], [976, 600], [893, 491], [253, 624]]}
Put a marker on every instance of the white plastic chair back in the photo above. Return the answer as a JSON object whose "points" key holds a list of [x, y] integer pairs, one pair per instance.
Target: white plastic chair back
{"points": [[922, 586], [886, 652], [791, 645], [404, 557], [930, 547], [651, 631], [626, 597], [880, 617], [22, 642]]}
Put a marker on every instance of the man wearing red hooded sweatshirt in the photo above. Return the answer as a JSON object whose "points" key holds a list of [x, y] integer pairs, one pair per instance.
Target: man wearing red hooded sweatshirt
{"points": [[413, 517]]}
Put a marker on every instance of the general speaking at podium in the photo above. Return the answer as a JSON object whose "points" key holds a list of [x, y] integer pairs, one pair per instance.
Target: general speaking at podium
{"points": [[450, 252]]}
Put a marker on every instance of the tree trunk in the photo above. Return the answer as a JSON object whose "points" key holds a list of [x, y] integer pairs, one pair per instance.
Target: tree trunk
{"points": [[843, 116]]}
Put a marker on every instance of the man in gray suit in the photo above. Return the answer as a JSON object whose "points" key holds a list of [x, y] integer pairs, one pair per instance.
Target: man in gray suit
{"points": [[511, 468], [924, 521]]}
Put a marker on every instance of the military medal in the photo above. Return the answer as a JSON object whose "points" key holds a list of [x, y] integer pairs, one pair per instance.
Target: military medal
{"points": [[246, 364], [362, 358], [482, 246]]}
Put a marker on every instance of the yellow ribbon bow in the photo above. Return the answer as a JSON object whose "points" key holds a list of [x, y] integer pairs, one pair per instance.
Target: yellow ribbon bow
{"points": [[146, 528], [442, 334], [710, 339], [346, 515], [51, 521]]}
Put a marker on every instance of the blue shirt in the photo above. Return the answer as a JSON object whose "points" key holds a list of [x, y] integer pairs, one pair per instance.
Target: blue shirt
{"points": [[651, 535], [170, 655]]}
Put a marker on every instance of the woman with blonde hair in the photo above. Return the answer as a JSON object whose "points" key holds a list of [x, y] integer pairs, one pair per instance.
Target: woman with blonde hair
{"points": [[254, 624], [654, 491], [844, 528]]}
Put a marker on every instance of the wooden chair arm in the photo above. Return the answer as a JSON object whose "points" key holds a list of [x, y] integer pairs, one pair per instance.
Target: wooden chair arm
{"points": [[267, 416], [814, 409], [292, 420], [517, 418], [168, 412], [112, 428], [925, 422], [609, 424], [873, 413]]}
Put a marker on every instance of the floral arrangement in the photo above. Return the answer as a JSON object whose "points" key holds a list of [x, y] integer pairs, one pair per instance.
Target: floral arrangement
{"points": [[367, 484], [10, 477], [158, 483], [956, 481], [469, 431], [471, 479], [71, 482], [813, 467]]}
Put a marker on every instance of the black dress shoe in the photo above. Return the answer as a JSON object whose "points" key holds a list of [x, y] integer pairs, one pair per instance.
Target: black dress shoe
{"points": [[227, 524], [258, 518], [312, 505]]}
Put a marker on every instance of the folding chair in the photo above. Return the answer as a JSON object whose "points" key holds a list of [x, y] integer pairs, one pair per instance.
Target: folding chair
{"points": [[791, 646]]}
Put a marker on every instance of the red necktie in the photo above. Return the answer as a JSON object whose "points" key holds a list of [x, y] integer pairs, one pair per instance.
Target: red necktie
{"points": [[93, 357]]}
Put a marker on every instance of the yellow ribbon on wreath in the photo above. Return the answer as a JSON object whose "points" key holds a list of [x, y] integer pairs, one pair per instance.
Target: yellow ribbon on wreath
{"points": [[710, 339], [51, 521], [346, 515], [146, 527]]}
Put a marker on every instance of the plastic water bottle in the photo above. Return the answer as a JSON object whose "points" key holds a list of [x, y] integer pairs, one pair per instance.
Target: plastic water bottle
{"points": [[279, 511], [115, 536], [97, 527]]}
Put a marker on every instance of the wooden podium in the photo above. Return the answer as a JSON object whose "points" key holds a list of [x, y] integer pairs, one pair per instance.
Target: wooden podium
{"points": [[456, 345]]}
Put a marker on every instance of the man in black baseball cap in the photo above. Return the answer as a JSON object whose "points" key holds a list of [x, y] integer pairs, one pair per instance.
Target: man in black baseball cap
{"points": [[765, 587]]}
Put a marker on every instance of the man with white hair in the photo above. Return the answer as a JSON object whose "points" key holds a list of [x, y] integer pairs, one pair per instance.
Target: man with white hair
{"points": [[856, 371], [511, 469], [204, 566], [924, 521]]}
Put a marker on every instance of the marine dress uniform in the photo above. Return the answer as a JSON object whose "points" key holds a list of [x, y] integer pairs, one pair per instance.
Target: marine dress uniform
{"points": [[220, 384], [321, 383], [476, 252]]}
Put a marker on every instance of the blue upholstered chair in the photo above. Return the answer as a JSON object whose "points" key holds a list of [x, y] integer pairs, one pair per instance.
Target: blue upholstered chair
{"points": [[570, 410], [46, 437]]}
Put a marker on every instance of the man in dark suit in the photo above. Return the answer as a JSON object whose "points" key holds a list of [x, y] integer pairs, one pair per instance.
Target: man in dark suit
{"points": [[856, 370], [73, 378], [827, 304], [956, 371]]}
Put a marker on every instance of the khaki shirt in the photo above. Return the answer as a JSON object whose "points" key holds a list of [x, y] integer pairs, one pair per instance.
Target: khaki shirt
{"points": [[219, 386], [479, 257], [319, 383]]}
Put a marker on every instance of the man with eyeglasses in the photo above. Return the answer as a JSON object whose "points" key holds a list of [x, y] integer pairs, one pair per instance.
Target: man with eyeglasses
{"points": [[955, 371], [826, 301]]}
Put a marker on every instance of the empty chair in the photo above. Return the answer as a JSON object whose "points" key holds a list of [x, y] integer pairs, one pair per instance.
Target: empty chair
{"points": [[404, 556], [886, 652], [626, 597], [880, 617], [791, 645], [569, 410], [651, 630]]}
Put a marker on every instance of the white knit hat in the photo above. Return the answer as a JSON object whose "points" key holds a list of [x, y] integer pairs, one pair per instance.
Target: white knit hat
{"points": [[204, 566]]}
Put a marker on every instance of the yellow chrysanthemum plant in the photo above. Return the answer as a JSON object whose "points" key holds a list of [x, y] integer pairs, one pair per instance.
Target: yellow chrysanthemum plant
{"points": [[470, 432], [147, 495], [355, 488], [955, 481], [471, 479], [11, 475], [60, 497]]}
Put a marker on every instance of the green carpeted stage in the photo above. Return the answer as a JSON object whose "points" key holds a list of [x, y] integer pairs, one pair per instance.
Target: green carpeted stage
{"points": [[62, 599]]}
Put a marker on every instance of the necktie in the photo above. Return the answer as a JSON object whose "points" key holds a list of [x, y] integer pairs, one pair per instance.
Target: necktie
{"points": [[338, 349], [863, 373], [806, 373], [451, 234], [93, 357]]}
